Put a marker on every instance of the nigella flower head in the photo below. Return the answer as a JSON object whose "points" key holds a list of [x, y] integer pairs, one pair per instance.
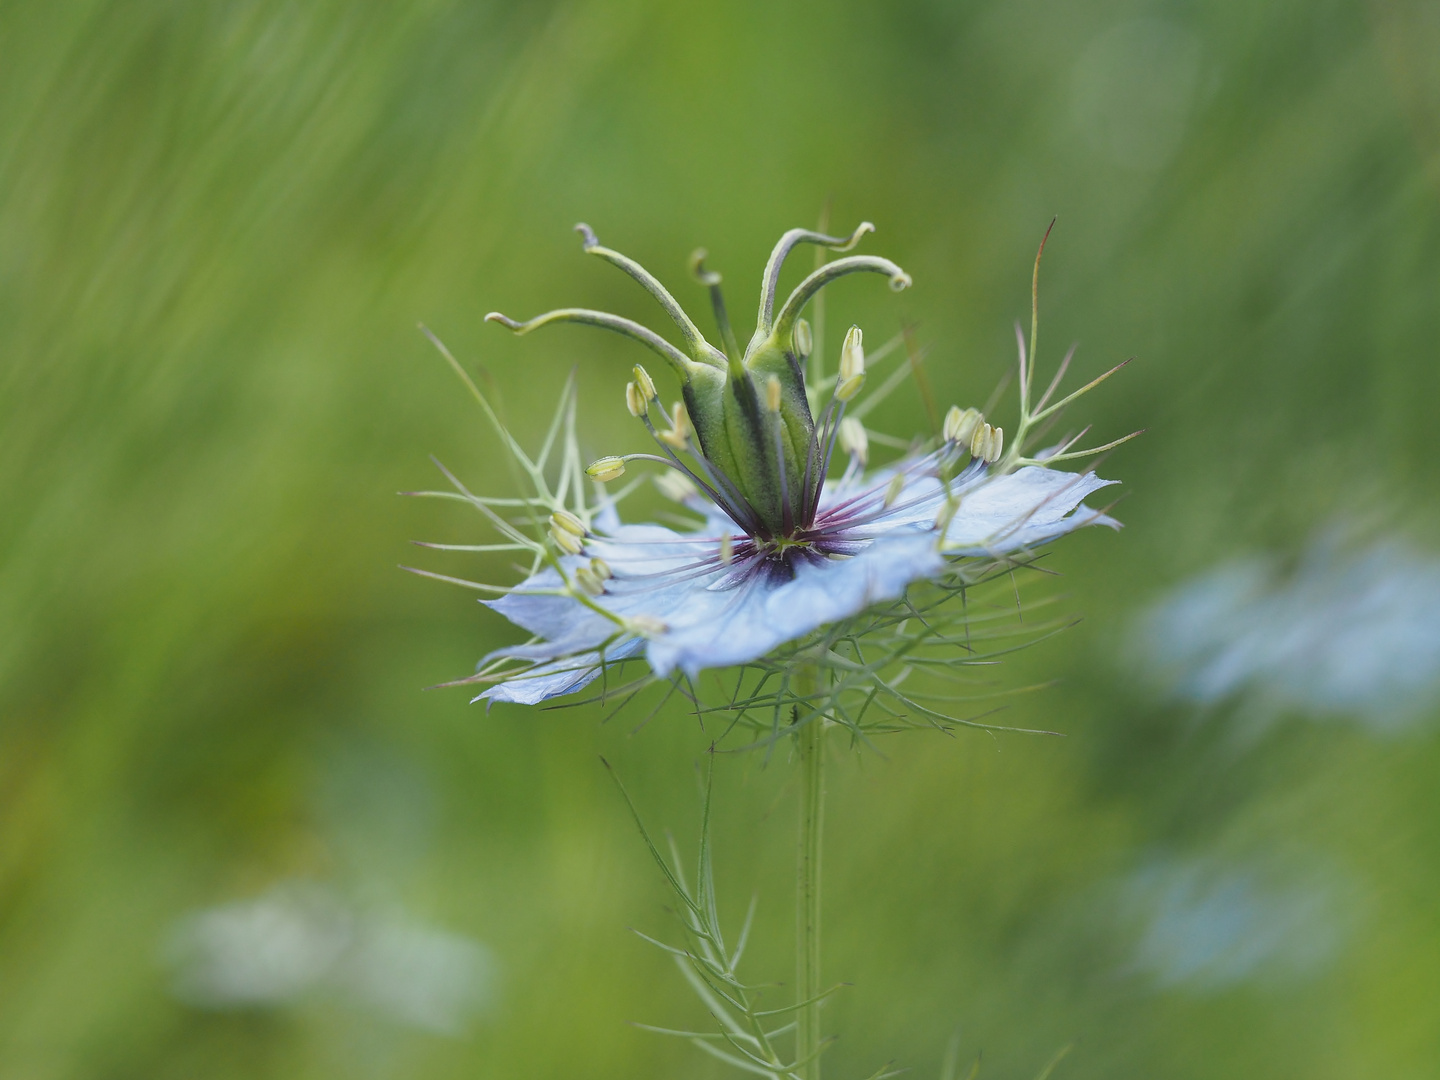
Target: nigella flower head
{"points": [[785, 569]]}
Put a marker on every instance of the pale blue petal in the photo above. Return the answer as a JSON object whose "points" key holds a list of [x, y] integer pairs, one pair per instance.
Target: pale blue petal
{"points": [[677, 579], [1028, 507], [544, 681], [558, 677], [735, 626], [546, 615], [607, 518]]}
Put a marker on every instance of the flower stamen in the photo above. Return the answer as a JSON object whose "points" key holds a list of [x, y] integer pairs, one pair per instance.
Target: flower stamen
{"points": [[733, 503], [676, 486], [803, 339], [959, 426], [852, 365], [645, 383], [606, 469], [589, 582], [567, 531], [635, 399], [854, 441], [679, 434], [986, 442]]}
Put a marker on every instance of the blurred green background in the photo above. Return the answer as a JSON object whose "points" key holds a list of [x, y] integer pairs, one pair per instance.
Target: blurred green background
{"points": [[219, 226]]}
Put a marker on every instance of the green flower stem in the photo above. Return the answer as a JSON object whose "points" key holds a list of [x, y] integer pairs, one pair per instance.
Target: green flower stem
{"points": [[810, 740]]}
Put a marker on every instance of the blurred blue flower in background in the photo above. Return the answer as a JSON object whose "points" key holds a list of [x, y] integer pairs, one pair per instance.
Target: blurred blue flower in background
{"points": [[1347, 633], [1208, 925], [300, 939]]}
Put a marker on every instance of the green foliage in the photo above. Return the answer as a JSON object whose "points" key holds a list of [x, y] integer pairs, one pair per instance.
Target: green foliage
{"points": [[748, 1034]]}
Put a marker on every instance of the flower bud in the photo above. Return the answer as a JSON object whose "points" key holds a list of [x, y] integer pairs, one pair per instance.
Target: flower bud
{"points": [[645, 383], [677, 486], [605, 469], [635, 399], [563, 519], [772, 394], [959, 426], [853, 439], [803, 339]]}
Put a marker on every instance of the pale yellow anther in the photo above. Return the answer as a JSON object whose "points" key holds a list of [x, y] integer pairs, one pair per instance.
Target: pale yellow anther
{"points": [[961, 424], [952, 422], [853, 439], [564, 519], [601, 569], [997, 444], [645, 383], [605, 469], [677, 486], [679, 432], [772, 394], [588, 582], [986, 442], [979, 440], [848, 388], [635, 399], [893, 489], [647, 625], [852, 354], [852, 365], [727, 549], [803, 339], [567, 542]]}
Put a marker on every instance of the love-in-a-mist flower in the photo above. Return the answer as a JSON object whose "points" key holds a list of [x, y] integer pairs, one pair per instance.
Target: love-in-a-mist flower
{"points": [[781, 549]]}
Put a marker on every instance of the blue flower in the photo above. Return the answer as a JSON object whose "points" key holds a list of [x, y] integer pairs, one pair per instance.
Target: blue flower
{"points": [[780, 550], [676, 599]]}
